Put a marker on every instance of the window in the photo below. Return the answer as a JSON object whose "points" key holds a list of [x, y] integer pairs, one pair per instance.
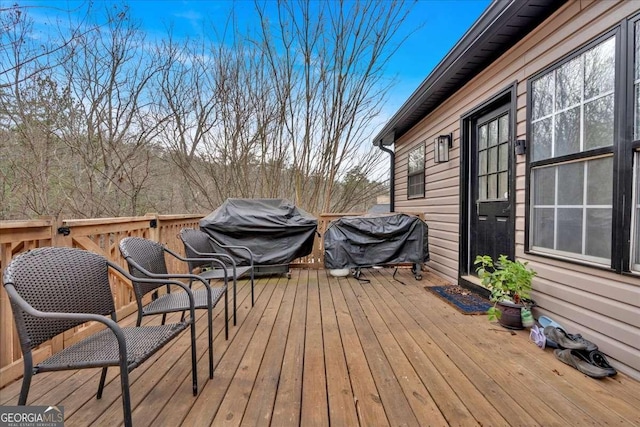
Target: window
{"points": [[571, 181], [415, 178], [583, 170]]}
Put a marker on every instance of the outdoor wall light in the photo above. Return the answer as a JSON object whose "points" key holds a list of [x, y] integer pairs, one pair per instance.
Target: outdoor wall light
{"points": [[521, 147], [442, 145]]}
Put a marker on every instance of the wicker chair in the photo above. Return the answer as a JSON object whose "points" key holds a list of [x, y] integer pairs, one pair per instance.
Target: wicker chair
{"points": [[53, 289], [200, 246], [145, 259]]}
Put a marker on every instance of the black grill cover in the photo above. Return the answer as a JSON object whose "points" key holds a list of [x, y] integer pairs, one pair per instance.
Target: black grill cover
{"points": [[364, 241], [276, 231]]}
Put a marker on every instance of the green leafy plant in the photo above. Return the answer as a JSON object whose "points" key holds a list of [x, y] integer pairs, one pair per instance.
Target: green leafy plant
{"points": [[507, 280]]}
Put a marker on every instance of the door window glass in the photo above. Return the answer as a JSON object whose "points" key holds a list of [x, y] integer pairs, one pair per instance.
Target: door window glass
{"points": [[493, 159]]}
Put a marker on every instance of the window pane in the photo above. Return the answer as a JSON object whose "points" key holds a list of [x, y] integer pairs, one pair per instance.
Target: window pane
{"points": [[637, 56], [416, 185], [571, 184], [544, 186], [598, 238], [569, 84], [493, 159], [600, 181], [493, 133], [541, 133], [636, 104], [416, 159], [569, 230], [542, 96], [482, 188], [636, 233], [599, 69], [492, 190], [503, 185], [636, 112], [503, 157], [482, 161], [482, 137], [567, 132], [598, 123], [543, 227], [503, 128]]}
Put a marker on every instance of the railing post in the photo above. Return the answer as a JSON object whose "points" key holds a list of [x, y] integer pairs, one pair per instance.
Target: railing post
{"points": [[60, 233], [154, 226]]}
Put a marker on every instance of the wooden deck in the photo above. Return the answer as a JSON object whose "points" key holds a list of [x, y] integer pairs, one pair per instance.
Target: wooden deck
{"points": [[316, 350]]}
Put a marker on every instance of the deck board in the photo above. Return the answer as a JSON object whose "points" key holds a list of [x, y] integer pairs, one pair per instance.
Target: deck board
{"points": [[342, 406], [320, 350]]}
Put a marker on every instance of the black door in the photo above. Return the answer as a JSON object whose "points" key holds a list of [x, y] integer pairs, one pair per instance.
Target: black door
{"points": [[491, 186]]}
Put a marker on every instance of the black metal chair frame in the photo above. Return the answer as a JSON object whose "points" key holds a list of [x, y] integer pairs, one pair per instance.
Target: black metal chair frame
{"points": [[194, 247], [79, 279], [149, 261]]}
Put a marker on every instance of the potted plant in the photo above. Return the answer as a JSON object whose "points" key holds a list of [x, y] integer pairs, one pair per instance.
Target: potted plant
{"points": [[510, 286]]}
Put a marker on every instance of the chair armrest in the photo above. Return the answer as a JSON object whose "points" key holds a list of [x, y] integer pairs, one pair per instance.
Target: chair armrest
{"points": [[162, 279], [211, 258], [81, 317], [234, 247]]}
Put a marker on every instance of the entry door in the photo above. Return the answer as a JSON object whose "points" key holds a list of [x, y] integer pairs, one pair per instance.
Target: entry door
{"points": [[491, 192]]}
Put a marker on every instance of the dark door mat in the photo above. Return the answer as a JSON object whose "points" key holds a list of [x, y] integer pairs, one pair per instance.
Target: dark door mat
{"points": [[463, 299]]}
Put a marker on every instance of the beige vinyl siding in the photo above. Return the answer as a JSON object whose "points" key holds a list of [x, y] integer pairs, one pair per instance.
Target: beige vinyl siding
{"points": [[601, 305]]}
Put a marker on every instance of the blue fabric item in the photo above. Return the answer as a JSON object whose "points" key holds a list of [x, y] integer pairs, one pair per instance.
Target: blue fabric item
{"points": [[545, 321]]}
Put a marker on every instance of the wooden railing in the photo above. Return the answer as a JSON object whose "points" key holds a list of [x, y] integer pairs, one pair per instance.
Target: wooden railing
{"points": [[101, 236]]}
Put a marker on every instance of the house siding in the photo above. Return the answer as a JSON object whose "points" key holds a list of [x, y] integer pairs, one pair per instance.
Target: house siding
{"points": [[601, 305]]}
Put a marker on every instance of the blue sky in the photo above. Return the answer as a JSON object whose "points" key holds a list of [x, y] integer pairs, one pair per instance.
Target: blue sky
{"points": [[437, 25]]}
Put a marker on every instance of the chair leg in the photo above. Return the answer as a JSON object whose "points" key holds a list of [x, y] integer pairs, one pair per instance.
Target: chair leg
{"points": [[126, 398], [26, 379], [194, 359], [226, 316], [210, 315], [252, 298], [235, 280], [103, 377]]}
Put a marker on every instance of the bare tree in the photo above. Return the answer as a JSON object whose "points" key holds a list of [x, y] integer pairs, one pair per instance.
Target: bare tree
{"points": [[100, 122], [32, 110], [328, 62], [23, 59], [110, 74]]}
